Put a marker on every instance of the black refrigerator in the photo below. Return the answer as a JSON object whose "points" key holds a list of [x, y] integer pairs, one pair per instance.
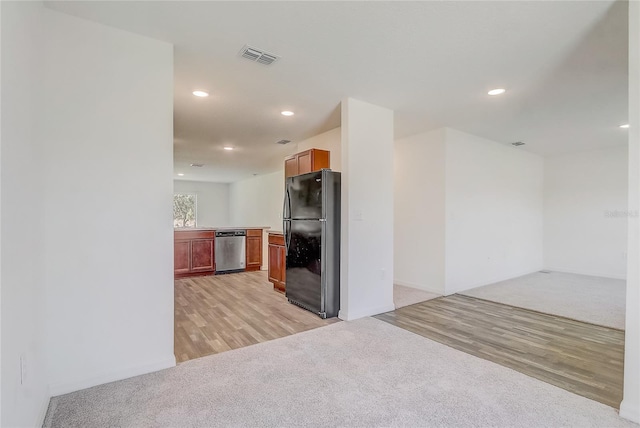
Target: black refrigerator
{"points": [[312, 241]]}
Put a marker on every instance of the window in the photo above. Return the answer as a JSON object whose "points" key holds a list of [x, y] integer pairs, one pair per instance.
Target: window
{"points": [[184, 210]]}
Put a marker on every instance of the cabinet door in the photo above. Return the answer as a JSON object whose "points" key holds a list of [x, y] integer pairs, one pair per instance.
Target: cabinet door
{"points": [[274, 264], [291, 166], [320, 159], [283, 269], [277, 266], [202, 255], [304, 162], [181, 256], [254, 249]]}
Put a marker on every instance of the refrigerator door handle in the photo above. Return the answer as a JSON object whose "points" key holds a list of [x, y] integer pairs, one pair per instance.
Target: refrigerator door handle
{"points": [[286, 226], [286, 204], [286, 219]]}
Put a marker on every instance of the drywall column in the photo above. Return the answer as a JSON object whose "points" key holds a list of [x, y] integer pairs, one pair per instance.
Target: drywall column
{"points": [[630, 406], [1, 26], [367, 210], [108, 168], [24, 392]]}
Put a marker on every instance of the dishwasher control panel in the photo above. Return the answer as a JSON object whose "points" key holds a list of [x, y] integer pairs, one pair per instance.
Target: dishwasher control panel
{"points": [[231, 233]]}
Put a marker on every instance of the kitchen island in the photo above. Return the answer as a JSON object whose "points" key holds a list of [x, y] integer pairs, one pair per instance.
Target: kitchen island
{"points": [[194, 250]]}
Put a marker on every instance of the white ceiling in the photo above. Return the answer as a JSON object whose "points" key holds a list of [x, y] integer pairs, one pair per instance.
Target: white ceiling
{"points": [[564, 65]]}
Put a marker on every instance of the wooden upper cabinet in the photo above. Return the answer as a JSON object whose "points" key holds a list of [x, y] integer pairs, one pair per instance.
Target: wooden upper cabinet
{"points": [[304, 162], [307, 161], [291, 166]]}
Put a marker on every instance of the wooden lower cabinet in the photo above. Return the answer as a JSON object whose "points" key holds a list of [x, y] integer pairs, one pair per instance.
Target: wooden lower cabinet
{"points": [[277, 261], [202, 255], [181, 257], [193, 253], [254, 250]]}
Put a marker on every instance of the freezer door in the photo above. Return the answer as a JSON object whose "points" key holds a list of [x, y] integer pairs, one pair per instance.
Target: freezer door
{"points": [[304, 264], [304, 196]]}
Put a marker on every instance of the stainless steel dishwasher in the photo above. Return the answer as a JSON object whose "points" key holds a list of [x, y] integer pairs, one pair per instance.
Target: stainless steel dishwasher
{"points": [[230, 250]]}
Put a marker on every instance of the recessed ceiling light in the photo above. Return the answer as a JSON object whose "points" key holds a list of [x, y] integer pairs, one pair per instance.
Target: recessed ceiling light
{"points": [[201, 94], [228, 148], [287, 113], [180, 174], [625, 126], [498, 91], [197, 165]]}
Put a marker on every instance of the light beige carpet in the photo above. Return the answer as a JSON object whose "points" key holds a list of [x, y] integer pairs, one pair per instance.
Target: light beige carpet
{"points": [[405, 296], [364, 373], [591, 299]]}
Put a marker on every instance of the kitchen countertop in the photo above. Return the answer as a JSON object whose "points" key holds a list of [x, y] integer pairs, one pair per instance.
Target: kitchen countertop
{"points": [[187, 229], [275, 232]]}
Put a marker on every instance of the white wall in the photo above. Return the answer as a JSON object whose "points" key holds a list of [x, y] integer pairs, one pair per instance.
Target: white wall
{"points": [[367, 210], [331, 141], [585, 221], [212, 201], [468, 211], [630, 406], [494, 197], [257, 201], [108, 114], [419, 211], [21, 249]]}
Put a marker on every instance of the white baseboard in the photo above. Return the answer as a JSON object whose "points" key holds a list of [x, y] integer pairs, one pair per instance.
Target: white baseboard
{"points": [[124, 373], [354, 315], [588, 273], [424, 287], [629, 412]]}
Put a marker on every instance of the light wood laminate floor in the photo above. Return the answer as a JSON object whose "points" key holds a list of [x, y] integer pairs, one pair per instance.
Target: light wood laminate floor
{"points": [[583, 358], [217, 313]]}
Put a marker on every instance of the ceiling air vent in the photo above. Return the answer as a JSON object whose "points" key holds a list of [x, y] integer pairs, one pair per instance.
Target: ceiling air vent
{"points": [[517, 143], [197, 165], [257, 55], [283, 142]]}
